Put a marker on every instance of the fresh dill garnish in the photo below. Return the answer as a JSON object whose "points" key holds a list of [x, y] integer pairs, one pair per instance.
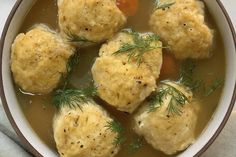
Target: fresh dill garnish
{"points": [[119, 140], [73, 60], [135, 145], [141, 44], [74, 38], [186, 75], [73, 97], [156, 99], [177, 100], [215, 85], [163, 5], [116, 127]]}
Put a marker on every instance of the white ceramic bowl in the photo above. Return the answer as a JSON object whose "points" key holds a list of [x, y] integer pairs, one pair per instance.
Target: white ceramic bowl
{"points": [[38, 148]]}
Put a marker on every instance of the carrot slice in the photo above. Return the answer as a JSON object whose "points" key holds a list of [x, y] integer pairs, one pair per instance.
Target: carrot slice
{"points": [[169, 66], [128, 7]]}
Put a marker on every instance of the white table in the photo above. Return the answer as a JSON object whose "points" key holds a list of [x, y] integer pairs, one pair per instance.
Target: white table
{"points": [[225, 144]]}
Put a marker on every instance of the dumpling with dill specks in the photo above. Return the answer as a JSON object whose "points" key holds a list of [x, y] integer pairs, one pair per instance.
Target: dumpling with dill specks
{"points": [[137, 48], [181, 25], [83, 132], [85, 22], [127, 69], [39, 59], [167, 120]]}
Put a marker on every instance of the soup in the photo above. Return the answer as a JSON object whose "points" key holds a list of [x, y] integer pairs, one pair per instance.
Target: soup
{"points": [[39, 110]]}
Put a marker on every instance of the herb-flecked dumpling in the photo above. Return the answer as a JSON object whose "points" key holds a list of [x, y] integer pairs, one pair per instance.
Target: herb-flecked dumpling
{"points": [[122, 86], [183, 28], [39, 59], [135, 48], [125, 76], [85, 22], [168, 120], [83, 132]]}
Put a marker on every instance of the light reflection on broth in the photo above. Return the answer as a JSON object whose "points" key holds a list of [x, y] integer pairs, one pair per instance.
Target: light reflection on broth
{"points": [[39, 109]]}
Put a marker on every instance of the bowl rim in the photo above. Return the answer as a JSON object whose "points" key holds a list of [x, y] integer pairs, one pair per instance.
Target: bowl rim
{"points": [[35, 152]]}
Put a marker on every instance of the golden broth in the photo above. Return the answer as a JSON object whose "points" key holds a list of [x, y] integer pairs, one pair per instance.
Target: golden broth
{"points": [[39, 110]]}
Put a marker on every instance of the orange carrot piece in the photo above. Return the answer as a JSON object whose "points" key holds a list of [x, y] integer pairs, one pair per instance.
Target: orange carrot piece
{"points": [[128, 7], [169, 66]]}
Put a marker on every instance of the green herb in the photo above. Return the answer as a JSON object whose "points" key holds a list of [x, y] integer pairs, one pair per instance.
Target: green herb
{"points": [[74, 38], [119, 140], [186, 75], [156, 99], [73, 60], [141, 44], [178, 99], [135, 145], [164, 5], [73, 97], [116, 127], [215, 85]]}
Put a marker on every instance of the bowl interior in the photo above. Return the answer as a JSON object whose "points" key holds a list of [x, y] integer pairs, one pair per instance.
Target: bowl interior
{"points": [[33, 142], [227, 100], [13, 110]]}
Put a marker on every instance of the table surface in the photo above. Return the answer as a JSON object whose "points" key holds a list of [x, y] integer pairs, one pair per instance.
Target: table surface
{"points": [[225, 144]]}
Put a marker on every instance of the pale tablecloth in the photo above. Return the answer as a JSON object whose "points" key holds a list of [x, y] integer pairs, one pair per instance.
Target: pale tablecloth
{"points": [[10, 146]]}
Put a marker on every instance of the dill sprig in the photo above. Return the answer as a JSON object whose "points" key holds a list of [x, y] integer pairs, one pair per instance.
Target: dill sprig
{"points": [[119, 140], [177, 100], [74, 38], [215, 85], [135, 145], [186, 75], [163, 5], [116, 127], [141, 44], [73, 97], [156, 99], [73, 60]]}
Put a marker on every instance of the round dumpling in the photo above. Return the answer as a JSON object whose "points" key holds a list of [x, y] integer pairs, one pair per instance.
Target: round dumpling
{"points": [[39, 59], [88, 21], [152, 58], [122, 85], [183, 28], [123, 81], [83, 132], [168, 127]]}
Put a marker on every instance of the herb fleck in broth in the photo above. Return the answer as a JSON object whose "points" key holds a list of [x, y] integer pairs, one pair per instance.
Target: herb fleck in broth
{"points": [[39, 109]]}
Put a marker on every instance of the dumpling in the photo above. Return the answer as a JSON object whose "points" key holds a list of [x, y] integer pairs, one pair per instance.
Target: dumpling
{"points": [[85, 22], [168, 128], [120, 80], [183, 28], [123, 86], [152, 58], [83, 132], [39, 59]]}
